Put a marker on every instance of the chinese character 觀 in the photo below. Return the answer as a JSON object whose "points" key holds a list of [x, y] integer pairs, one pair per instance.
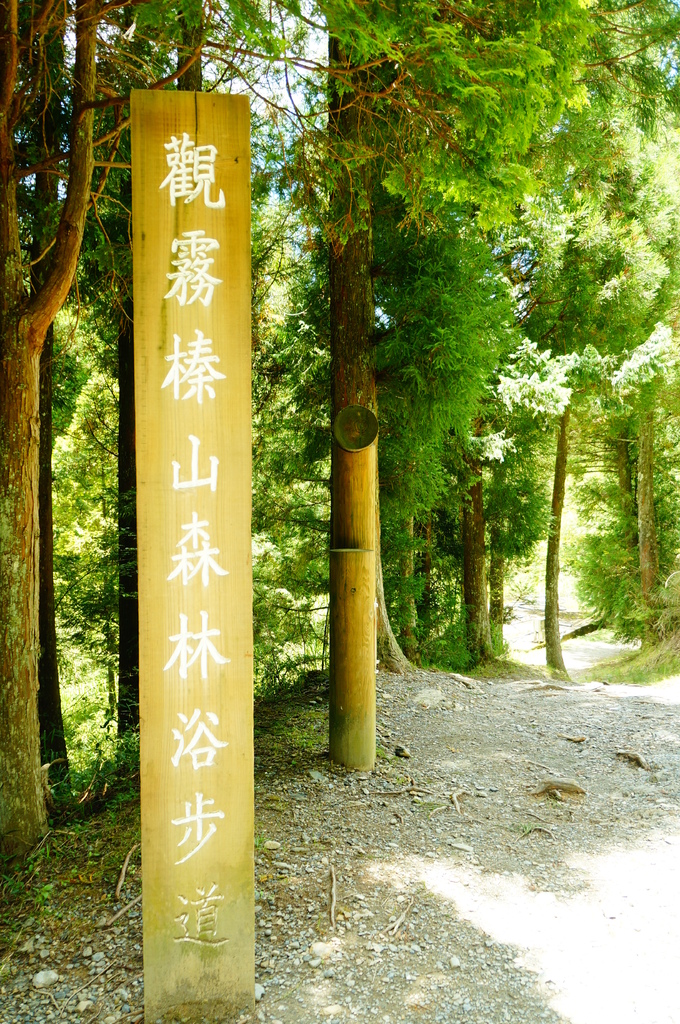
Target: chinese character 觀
{"points": [[192, 171]]}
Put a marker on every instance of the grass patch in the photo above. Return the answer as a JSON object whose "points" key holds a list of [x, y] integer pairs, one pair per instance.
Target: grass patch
{"points": [[650, 664]]}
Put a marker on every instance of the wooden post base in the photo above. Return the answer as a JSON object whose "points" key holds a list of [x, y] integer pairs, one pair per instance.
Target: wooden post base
{"points": [[352, 663]]}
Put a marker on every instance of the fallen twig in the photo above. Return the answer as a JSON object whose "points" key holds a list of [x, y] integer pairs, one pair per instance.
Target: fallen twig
{"points": [[454, 799], [121, 912], [538, 764], [560, 786], [331, 910], [121, 877], [530, 829], [436, 810], [394, 928], [411, 790], [634, 758], [572, 739]]}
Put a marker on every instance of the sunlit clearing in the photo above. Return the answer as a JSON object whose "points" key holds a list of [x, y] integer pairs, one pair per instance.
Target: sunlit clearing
{"points": [[608, 954]]}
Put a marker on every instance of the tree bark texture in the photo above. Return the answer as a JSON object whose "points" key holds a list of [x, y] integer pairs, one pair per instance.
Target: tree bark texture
{"points": [[474, 570], [24, 321], [496, 587], [649, 551], [553, 647], [52, 741], [128, 608], [192, 79], [624, 468], [408, 630], [352, 322]]}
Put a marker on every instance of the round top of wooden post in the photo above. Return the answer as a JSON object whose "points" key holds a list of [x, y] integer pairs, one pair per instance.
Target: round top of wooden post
{"points": [[355, 428]]}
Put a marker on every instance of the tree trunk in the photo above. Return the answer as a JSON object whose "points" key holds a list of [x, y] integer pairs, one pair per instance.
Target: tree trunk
{"points": [[52, 741], [23, 325], [474, 570], [553, 647], [496, 587], [128, 609], [649, 551], [625, 475], [408, 632], [352, 321], [192, 79]]}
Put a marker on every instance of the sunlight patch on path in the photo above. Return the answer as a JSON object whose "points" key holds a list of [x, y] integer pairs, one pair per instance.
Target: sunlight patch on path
{"points": [[612, 953]]}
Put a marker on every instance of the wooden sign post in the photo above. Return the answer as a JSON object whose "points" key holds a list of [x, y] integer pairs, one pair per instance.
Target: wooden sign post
{"points": [[191, 236], [352, 590]]}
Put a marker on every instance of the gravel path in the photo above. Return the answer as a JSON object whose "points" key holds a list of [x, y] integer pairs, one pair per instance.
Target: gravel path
{"points": [[508, 907]]}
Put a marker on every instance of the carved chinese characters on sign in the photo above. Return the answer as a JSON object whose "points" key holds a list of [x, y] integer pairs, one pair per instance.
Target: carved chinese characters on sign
{"points": [[192, 280], [192, 171], [194, 376], [198, 920]]}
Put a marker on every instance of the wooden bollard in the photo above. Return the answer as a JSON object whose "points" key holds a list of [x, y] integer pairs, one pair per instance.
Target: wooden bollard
{"points": [[352, 657], [352, 589]]}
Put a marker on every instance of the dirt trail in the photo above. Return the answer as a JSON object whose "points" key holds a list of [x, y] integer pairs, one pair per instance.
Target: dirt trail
{"points": [[496, 907], [552, 910]]}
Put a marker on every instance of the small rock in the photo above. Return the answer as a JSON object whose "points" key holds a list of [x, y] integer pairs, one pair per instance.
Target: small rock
{"points": [[44, 954], [27, 946], [259, 992], [43, 979], [329, 973], [83, 1005], [402, 751], [334, 1010], [101, 923], [454, 961], [87, 952], [315, 962], [322, 948], [272, 844], [318, 776], [97, 957]]}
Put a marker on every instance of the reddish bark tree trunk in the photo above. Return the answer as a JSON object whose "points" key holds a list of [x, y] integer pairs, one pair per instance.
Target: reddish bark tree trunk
{"points": [[649, 550], [553, 646], [474, 570], [23, 325], [496, 587]]}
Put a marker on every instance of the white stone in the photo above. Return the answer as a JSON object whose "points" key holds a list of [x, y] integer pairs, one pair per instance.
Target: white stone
{"points": [[272, 844], [83, 1005], [454, 961], [334, 1010], [322, 948], [43, 979], [259, 992]]}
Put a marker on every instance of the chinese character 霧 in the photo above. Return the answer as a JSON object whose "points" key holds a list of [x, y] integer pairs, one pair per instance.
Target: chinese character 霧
{"points": [[193, 265]]}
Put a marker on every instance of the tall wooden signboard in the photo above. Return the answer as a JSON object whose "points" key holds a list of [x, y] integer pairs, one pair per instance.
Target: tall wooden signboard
{"points": [[191, 238]]}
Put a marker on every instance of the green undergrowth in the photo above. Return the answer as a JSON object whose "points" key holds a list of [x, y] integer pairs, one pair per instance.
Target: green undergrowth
{"points": [[650, 664], [77, 861]]}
